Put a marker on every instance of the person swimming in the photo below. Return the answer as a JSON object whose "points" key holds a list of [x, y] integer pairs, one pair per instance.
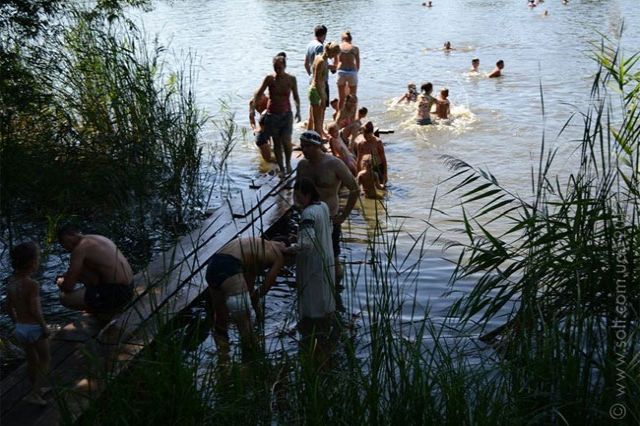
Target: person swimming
{"points": [[411, 95], [475, 65]]}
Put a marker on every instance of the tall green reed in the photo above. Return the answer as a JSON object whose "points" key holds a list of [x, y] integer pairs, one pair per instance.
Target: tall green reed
{"points": [[565, 271]]}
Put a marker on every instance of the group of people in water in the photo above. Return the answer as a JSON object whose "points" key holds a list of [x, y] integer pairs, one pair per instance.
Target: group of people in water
{"points": [[345, 155], [348, 136]]}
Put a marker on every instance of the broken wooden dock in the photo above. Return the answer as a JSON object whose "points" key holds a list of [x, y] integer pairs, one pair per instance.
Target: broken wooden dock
{"points": [[82, 351]]}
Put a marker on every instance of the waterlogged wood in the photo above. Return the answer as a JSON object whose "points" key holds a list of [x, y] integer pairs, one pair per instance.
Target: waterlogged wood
{"points": [[85, 349]]}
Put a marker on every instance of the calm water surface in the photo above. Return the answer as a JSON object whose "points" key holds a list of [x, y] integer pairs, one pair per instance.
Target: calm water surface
{"points": [[497, 123]]}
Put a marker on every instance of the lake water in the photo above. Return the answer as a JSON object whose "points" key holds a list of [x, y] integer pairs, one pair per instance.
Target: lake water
{"points": [[498, 123]]}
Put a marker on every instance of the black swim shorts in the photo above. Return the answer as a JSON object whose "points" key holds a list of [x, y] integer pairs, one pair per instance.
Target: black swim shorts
{"points": [[221, 267], [108, 297]]}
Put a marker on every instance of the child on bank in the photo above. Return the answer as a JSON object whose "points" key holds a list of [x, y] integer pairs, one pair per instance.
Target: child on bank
{"points": [[368, 180], [443, 107], [23, 306]]}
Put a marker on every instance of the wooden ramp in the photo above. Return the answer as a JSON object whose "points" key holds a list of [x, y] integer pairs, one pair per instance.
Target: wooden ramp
{"points": [[85, 351]]}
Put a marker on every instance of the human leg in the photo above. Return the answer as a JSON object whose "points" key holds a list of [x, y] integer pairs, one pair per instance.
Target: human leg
{"points": [[74, 299], [342, 94], [44, 360]]}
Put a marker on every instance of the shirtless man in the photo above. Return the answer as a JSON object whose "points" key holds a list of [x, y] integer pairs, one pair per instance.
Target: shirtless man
{"points": [[497, 72], [278, 121], [328, 173], [369, 144], [231, 274], [100, 266], [262, 138], [317, 91], [475, 65]]}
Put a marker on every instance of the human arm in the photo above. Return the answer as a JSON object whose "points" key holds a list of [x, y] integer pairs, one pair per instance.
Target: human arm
{"points": [[296, 97], [357, 57], [252, 113], [261, 89], [72, 276], [272, 274], [344, 175], [307, 63], [383, 161], [35, 306]]}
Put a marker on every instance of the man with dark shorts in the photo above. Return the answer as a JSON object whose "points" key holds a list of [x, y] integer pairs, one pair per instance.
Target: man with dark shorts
{"points": [[328, 173], [231, 274], [278, 120], [100, 266]]}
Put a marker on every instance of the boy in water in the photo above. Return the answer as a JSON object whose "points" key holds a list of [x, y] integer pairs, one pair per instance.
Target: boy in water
{"points": [[475, 65], [498, 71], [340, 149], [443, 106], [411, 95], [368, 180], [262, 137], [334, 106], [23, 306]]}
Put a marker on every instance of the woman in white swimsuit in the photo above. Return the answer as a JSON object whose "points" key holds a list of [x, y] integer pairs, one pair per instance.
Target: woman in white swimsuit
{"points": [[347, 65]]}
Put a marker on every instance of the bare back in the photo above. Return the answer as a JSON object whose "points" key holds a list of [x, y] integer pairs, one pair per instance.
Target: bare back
{"points": [[349, 57], [102, 261], [255, 253], [22, 294]]}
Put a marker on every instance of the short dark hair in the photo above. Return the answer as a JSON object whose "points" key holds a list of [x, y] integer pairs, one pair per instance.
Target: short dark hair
{"points": [[320, 30], [500, 62], [426, 87], [307, 187], [67, 229], [363, 111], [368, 127], [23, 254]]}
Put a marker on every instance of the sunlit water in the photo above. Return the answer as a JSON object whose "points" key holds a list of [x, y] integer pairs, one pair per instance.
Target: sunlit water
{"points": [[496, 123]]}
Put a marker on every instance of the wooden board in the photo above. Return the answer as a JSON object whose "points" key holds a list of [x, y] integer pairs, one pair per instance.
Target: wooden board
{"points": [[167, 286]]}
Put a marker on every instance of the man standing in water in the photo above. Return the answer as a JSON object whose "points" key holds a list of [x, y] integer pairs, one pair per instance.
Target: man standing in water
{"points": [[105, 272], [231, 274], [278, 121], [328, 174]]}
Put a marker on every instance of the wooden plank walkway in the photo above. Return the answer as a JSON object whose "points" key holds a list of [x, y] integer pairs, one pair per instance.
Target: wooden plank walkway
{"points": [[85, 349]]}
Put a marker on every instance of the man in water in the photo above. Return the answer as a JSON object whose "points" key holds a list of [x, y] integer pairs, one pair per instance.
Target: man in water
{"points": [[315, 48], [100, 266], [231, 274], [475, 65], [497, 72], [328, 174], [278, 120]]}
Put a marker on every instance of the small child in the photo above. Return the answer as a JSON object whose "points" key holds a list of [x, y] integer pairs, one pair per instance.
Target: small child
{"points": [[352, 131], [348, 112], [368, 180], [23, 306], [339, 149], [475, 65], [262, 137], [443, 106], [497, 72], [334, 104], [411, 95]]}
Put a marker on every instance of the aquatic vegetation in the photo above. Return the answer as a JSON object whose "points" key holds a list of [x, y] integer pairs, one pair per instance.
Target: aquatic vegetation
{"points": [[568, 263], [96, 128]]}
